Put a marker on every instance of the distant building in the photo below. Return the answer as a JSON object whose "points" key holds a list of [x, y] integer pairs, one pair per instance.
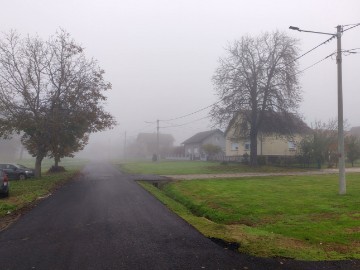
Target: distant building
{"points": [[193, 145], [146, 145]]}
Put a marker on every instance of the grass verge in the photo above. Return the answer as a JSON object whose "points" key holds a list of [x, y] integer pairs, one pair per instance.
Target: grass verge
{"points": [[299, 217]]}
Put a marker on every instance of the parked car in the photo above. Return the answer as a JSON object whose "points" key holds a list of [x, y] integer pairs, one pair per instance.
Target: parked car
{"points": [[4, 184], [17, 171]]}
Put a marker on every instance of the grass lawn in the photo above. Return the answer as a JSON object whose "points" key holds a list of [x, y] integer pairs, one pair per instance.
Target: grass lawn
{"points": [[195, 167], [299, 217]]}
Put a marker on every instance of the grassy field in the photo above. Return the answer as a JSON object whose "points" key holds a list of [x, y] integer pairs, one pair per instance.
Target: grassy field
{"points": [[195, 167], [299, 217]]}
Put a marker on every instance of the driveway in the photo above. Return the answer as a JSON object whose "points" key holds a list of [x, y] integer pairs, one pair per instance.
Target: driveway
{"points": [[105, 220]]}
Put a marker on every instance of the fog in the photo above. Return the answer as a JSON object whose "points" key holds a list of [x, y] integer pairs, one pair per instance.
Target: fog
{"points": [[160, 55]]}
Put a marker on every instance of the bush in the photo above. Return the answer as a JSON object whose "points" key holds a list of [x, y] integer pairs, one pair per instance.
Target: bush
{"points": [[56, 169]]}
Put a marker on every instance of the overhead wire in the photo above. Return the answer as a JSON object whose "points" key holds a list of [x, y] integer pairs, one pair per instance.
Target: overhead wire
{"points": [[316, 63], [186, 115], [350, 51], [309, 51], [355, 25], [184, 124]]}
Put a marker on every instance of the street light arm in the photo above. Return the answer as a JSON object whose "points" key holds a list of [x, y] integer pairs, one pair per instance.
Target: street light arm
{"points": [[300, 30]]}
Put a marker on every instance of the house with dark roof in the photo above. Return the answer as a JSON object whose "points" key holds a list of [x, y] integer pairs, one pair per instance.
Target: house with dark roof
{"points": [[193, 145], [280, 135]]}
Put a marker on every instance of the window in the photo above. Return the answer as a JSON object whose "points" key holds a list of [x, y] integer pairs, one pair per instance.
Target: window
{"points": [[234, 146], [247, 146], [291, 145]]}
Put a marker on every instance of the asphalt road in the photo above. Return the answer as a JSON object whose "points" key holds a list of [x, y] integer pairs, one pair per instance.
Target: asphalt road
{"points": [[105, 220]]}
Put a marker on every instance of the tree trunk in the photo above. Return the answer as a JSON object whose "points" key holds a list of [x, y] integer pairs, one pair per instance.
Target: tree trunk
{"points": [[253, 147], [57, 160], [38, 166]]}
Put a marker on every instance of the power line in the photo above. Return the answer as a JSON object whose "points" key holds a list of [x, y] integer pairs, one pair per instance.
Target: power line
{"points": [[351, 51], [186, 115], [322, 43], [356, 25], [318, 62], [181, 125]]}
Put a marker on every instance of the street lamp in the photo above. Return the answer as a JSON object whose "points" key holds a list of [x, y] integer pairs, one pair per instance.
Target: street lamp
{"points": [[342, 180]]}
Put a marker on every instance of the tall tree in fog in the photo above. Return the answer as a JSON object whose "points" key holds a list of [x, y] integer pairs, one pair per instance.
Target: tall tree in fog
{"points": [[256, 80], [51, 94]]}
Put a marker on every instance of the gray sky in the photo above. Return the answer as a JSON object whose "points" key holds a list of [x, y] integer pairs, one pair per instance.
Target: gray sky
{"points": [[160, 55]]}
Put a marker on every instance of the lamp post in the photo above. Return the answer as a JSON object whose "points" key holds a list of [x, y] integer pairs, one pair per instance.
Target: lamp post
{"points": [[341, 152]]}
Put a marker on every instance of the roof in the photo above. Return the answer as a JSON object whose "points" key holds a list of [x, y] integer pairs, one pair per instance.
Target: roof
{"points": [[276, 123], [201, 136]]}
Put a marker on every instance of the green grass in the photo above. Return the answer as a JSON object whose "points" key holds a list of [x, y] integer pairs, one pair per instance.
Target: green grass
{"points": [[194, 167], [299, 217]]}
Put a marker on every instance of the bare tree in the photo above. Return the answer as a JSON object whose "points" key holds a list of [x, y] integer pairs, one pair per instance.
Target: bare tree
{"points": [[257, 80], [51, 94]]}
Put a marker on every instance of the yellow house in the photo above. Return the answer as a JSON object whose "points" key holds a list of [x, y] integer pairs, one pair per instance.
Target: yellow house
{"points": [[268, 143]]}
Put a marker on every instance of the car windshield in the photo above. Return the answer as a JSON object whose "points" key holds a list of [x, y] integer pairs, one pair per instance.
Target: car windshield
{"points": [[21, 166]]}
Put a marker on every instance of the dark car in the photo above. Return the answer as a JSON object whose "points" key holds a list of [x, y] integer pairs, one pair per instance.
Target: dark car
{"points": [[16, 171], [4, 184]]}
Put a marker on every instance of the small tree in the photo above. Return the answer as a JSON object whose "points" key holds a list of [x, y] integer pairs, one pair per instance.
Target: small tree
{"points": [[320, 145]]}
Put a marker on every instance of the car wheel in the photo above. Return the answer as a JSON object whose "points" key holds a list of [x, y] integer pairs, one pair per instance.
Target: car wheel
{"points": [[22, 177]]}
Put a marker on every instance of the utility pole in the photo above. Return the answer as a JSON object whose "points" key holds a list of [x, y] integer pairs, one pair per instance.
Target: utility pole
{"points": [[341, 148], [342, 180]]}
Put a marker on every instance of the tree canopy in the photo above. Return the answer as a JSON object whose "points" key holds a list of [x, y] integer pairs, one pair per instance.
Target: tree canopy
{"points": [[51, 94], [257, 80]]}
